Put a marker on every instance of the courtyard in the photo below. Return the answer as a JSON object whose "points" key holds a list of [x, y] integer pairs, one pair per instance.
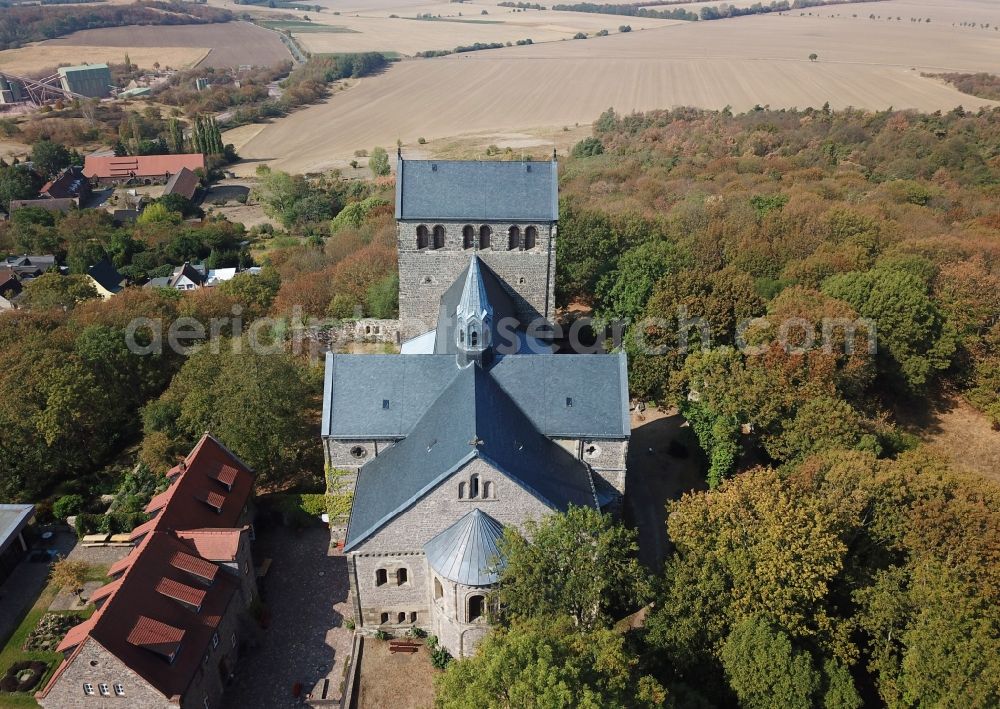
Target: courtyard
{"points": [[305, 641]]}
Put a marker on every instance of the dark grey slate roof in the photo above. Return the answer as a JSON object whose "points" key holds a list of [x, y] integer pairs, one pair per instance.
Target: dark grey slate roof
{"points": [[472, 417], [360, 384], [539, 386], [107, 275], [500, 302], [440, 190], [467, 552]]}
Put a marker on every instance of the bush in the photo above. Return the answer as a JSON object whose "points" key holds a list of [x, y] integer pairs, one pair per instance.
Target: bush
{"points": [[113, 523], [580, 35], [381, 635], [67, 506], [440, 658], [23, 676], [421, 140]]}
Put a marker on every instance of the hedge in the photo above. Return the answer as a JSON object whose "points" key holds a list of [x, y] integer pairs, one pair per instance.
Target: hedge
{"points": [[114, 523]]}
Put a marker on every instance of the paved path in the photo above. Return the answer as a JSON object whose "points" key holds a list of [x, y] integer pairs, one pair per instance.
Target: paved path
{"points": [[21, 589], [306, 593]]}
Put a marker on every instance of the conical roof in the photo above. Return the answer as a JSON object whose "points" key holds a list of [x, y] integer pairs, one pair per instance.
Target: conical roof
{"points": [[467, 552], [474, 303]]}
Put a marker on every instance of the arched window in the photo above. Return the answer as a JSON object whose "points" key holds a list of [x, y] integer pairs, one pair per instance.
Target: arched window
{"points": [[468, 237], [487, 490], [461, 491], [438, 590], [401, 576], [530, 237], [513, 238], [439, 237], [381, 576], [477, 608], [422, 241], [474, 487], [401, 617], [473, 342], [484, 237], [384, 618]]}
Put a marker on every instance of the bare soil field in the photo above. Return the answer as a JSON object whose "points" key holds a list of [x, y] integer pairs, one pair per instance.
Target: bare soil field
{"points": [[740, 63], [960, 433], [45, 55], [408, 36], [228, 44], [401, 681]]}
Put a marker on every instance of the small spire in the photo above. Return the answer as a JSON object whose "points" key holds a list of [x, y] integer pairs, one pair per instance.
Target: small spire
{"points": [[399, 152]]}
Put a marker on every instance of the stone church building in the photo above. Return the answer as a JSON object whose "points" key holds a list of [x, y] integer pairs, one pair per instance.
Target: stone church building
{"points": [[476, 425]]}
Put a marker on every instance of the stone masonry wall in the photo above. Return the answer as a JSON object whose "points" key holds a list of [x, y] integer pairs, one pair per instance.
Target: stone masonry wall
{"points": [[67, 692], [509, 504], [95, 665], [605, 457], [425, 274]]}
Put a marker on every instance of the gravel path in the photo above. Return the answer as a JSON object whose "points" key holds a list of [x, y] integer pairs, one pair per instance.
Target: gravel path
{"points": [[306, 593]]}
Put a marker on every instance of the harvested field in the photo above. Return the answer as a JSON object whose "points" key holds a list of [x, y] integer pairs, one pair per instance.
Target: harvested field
{"points": [[46, 55], [228, 44], [376, 31], [740, 63]]}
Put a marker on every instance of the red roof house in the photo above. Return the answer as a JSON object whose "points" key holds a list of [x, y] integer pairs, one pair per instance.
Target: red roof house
{"points": [[147, 169], [173, 604]]}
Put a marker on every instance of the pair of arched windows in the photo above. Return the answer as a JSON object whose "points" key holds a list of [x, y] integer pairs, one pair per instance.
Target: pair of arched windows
{"points": [[518, 241], [475, 489], [433, 239], [382, 576]]}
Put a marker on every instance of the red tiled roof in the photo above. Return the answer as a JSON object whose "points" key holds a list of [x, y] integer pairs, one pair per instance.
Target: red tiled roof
{"points": [[141, 166], [213, 499], [144, 528], [156, 636], [159, 501], [122, 564], [181, 592], [225, 474], [76, 635], [213, 544], [193, 565], [199, 477], [105, 591], [142, 623]]}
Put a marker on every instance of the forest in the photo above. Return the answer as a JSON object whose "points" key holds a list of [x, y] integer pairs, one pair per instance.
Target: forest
{"points": [[834, 560], [85, 399], [34, 23]]}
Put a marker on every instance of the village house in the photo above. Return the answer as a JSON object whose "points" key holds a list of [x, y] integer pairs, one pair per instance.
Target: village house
{"points": [[140, 169], [71, 183], [10, 289], [166, 632], [476, 425], [192, 276], [105, 278]]}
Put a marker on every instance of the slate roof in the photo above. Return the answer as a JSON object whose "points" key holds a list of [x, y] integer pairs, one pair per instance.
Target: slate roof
{"points": [[357, 385], [467, 552], [106, 275], [184, 182], [70, 183], [442, 190], [485, 286], [472, 417]]}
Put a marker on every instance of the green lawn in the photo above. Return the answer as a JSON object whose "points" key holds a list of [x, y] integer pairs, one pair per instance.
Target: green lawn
{"points": [[12, 651]]}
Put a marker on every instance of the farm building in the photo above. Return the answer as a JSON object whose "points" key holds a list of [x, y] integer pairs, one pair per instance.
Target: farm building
{"points": [[184, 183], [142, 169], [92, 80], [71, 183]]}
